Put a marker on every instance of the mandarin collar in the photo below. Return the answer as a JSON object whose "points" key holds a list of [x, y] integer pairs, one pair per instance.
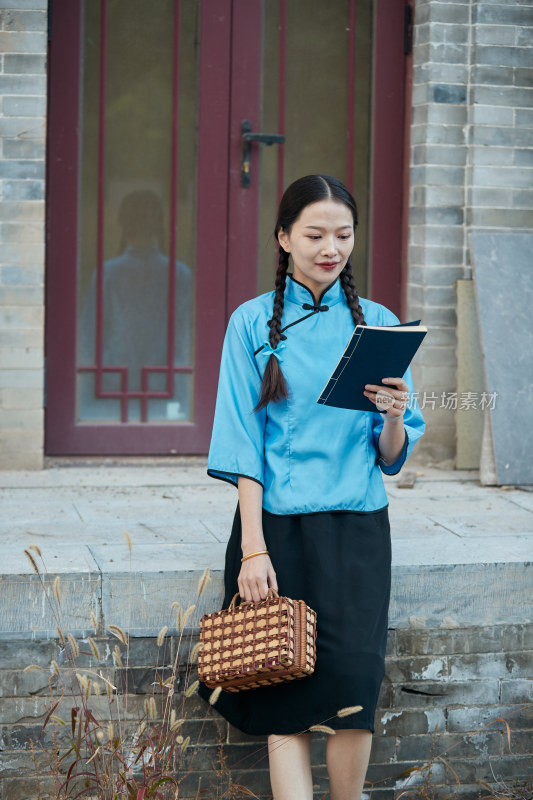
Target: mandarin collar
{"points": [[296, 292]]}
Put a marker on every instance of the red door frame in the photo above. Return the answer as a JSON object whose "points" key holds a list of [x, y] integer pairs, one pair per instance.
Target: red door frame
{"points": [[388, 151], [230, 213], [63, 435]]}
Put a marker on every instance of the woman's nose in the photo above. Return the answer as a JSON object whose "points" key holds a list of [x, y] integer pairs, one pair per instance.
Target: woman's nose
{"points": [[329, 247]]}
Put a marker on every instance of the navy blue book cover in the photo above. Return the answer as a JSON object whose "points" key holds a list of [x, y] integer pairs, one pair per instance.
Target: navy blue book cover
{"points": [[373, 353]]}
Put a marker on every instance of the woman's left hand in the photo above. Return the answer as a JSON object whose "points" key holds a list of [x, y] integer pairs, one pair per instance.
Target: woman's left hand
{"points": [[391, 397]]}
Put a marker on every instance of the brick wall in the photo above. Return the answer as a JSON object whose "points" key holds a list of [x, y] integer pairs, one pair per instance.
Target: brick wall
{"points": [[441, 686], [471, 165], [23, 46]]}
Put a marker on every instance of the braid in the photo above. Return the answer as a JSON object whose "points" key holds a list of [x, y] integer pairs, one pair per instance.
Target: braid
{"points": [[273, 385], [352, 298]]}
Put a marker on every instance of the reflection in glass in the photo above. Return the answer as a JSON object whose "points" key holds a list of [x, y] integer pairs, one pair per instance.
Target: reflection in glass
{"points": [[137, 198]]}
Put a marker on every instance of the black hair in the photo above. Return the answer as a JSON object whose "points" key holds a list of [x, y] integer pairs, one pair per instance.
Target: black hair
{"points": [[301, 193]]}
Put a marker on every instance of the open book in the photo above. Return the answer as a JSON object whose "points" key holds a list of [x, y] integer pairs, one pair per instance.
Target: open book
{"points": [[373, 353]]}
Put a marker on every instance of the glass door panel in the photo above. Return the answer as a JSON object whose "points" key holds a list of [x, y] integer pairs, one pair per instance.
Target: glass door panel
{"points": [[316, 90], [137, 226]]}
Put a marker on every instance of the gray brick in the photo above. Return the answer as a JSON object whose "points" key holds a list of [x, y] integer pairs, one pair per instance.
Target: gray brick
{"points": [[470, 719], [486, 134], [522, 198], [449, 93], [447, 114], [524, 119], [518, 637], [508, 96], [492, 115], [24, 148], [488, 196], [440, 316], [439, 296], [436, 235], [440, 256], [444, 134], [500, 217], [496, 75], [504, 768], [504, 56], [27, 127], [416, 668], [441, 73], [33, 4], [436, 216], [23, 190], [16, 20], [419, 748], [439, 154], [21, 232], [495, 34], [22, 42], [470, 692], [523, 77], [498, 156], [517, 691], [444, 195], [502, 176], [433, 175], [503, 15], [445, 276], [18, 64], [21, 169], [448, 12], [524, 36], [405, 722], [22, 211], [451, 54], [26, 106], [490, 665], [22, 84]]}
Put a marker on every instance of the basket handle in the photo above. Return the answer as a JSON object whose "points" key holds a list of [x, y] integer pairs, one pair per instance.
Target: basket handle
{"points": [[271, 594]]}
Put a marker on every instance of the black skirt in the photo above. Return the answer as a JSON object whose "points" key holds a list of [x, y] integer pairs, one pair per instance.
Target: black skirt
{"points": [[340, 564]]}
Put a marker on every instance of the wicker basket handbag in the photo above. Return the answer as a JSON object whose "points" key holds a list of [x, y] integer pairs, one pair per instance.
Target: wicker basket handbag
{"points": [[257, 644]]}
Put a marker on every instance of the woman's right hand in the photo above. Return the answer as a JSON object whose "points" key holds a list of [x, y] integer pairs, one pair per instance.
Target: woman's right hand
{"points": [[256, 577]]}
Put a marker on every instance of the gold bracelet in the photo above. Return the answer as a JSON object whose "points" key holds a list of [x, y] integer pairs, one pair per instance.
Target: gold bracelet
{"points": [[259, 553]]}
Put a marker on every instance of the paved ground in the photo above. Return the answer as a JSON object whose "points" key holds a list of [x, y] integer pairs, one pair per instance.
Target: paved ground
{"points": [[179, 519]]}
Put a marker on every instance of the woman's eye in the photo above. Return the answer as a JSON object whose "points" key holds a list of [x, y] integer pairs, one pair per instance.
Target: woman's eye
{"points": [[314, 237]]}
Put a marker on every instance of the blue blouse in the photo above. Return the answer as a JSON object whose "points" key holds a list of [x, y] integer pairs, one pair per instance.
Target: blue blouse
{"points": [[308, 457]]}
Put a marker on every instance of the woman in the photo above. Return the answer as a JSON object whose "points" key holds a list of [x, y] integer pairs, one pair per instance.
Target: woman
{"points": [[312, 518]]}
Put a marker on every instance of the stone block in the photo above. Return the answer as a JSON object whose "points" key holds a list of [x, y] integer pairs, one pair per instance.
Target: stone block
{"points": [[487, 134], [15, 399], [26, 106], [446, 114], [22, 42], [489, 196], [16, 20], [468, 426], [9, 168], [13, 83], [22, 459], [26, 337], [29, 232], [24, 148], [437, 235], [497, 156], [503, 15], [20, 296], [22, 254], [517, 691], [25, 64], [416, 668], [523, 158], [504, 218], [502, 96], [495, 34], [441, 73], [21, 210], [517, 637], [25, 276], [428, 693], [449, 93], [504, 768], [523, 77], [492, 115], [21, 358], [407, 722], [492, 75], [472, 719], [503, 56], [422, 747], [492, 665], [21, 378], [22, 189], [444, 134], [448, 53]]}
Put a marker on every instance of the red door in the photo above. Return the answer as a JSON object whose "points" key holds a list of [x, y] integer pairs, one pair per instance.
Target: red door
{"points": [[154, 236]]}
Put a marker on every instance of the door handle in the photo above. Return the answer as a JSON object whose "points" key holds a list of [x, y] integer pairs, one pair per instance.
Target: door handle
{"points": [[247, 137]]}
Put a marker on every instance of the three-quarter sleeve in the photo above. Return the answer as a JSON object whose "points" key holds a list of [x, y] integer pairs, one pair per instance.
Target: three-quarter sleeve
{"points": [[237, 447], [413, 420]]}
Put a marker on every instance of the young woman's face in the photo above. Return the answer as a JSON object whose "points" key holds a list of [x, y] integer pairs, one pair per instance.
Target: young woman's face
{"points": [[320, 242]]}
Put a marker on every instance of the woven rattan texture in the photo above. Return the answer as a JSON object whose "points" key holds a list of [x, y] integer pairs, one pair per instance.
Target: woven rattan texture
{"points": [[257, 644]]}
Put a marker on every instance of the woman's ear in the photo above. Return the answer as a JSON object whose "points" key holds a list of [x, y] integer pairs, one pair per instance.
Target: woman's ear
{"points": [[283, 239]]}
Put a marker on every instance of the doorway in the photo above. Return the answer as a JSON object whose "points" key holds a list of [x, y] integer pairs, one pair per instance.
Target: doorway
{"points": [[160, 217]]}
